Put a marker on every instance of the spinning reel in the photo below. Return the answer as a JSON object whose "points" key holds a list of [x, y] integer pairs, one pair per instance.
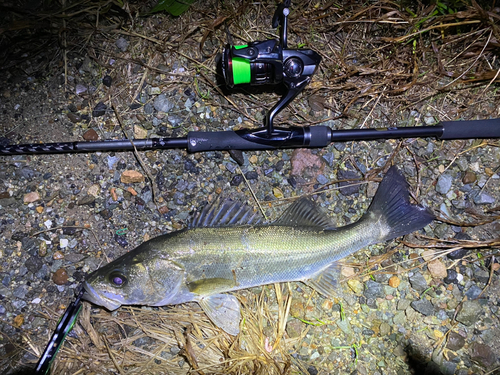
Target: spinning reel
{"points": [[271, 62]]}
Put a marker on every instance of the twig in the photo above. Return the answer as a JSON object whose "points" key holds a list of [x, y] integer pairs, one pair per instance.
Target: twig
{"points": [[253, 194], [136, 153]]}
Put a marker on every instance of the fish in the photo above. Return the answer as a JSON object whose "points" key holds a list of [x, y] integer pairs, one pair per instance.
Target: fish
{"points": [[225, 248]]}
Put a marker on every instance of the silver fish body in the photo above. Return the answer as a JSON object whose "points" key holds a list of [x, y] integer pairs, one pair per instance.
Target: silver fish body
{"points": [[208, 259]]}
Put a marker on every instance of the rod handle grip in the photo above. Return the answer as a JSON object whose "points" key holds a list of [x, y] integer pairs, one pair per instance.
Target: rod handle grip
{"points": [[470, 129], [225, 140]]}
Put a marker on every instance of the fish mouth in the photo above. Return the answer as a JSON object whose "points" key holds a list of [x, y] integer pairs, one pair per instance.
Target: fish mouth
{"points": [[92, 296]]}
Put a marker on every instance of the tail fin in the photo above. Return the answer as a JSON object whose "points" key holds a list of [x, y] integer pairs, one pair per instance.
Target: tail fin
{"points": [[392, 208]]}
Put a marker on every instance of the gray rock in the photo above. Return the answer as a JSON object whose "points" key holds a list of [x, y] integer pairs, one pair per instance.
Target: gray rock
{"points": [[444, 183], [18, 304], [322, 179], [385, 329], [347, 175], [473, 292], [455, 341], [122, 44], [20, 291], [373, 290], [418, 282], [481, 275], [448, 368], [482, 354], [175, 120], [329, 157], [469, 313], [423, 306], [74, 257], [148, 109], [162, 104], [3, 310], [33, 263], [403, 304], [482, 198], [399, 318]]}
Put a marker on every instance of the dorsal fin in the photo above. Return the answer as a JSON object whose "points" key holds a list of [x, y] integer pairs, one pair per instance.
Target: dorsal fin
{"points": [[225, 213], [305, 213]]}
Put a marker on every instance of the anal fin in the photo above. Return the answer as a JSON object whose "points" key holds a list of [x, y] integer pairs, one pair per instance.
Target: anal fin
{"points": [[223, 310], [326, 281]]}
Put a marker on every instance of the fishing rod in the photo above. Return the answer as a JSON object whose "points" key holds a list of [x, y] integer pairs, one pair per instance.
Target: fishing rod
{"points": [[268, 62], [259, 139]]}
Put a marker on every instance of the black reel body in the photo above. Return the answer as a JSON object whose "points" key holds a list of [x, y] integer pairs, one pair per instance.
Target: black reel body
{"points": [[270, 62]]}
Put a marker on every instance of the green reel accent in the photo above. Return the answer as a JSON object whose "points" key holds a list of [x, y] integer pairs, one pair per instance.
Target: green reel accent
{"points": [[241, 68]]}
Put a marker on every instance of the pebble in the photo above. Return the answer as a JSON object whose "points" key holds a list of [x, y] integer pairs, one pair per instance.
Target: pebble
{"points": [[131, 176], [403, 304], [121, 240], [107, 81], [322, 179], [148, 109], [306, 164], [20, 291], [122, 44], [423, 306], [252, 175], [483, 198], [94, 190], [90, 135], [60, 277], [451, 276], [469, 314], [33, 263], [18, 320], [443, 184], [80, 89], [58, 255], [394, 281], [175, 120], [418, 282], [469, 178], [428, 255], [87, 199], [74, 118], [99, 110], [374, 290], [63, 242], [140, 132], [455, 341], [31, 197], [236, 180], [345, 189], [458, 254], [473, 292], [162, 104], [437, 269], [356, 286], [482, 354]]}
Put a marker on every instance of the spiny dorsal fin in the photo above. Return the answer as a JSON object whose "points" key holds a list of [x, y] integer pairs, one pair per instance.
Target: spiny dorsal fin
{"points": [[225, 213], [304, 213]]}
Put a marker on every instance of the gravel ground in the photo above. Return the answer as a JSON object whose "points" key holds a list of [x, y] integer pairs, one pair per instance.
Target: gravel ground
{"points": [[429, 303]]}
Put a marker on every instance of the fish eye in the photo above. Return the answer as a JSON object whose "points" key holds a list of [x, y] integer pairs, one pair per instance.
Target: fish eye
{"points": [[117, 279]]}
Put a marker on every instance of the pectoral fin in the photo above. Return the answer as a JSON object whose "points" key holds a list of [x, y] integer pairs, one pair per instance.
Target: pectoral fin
{"points": [[326, 282], [223, 310], [213, 285]]}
